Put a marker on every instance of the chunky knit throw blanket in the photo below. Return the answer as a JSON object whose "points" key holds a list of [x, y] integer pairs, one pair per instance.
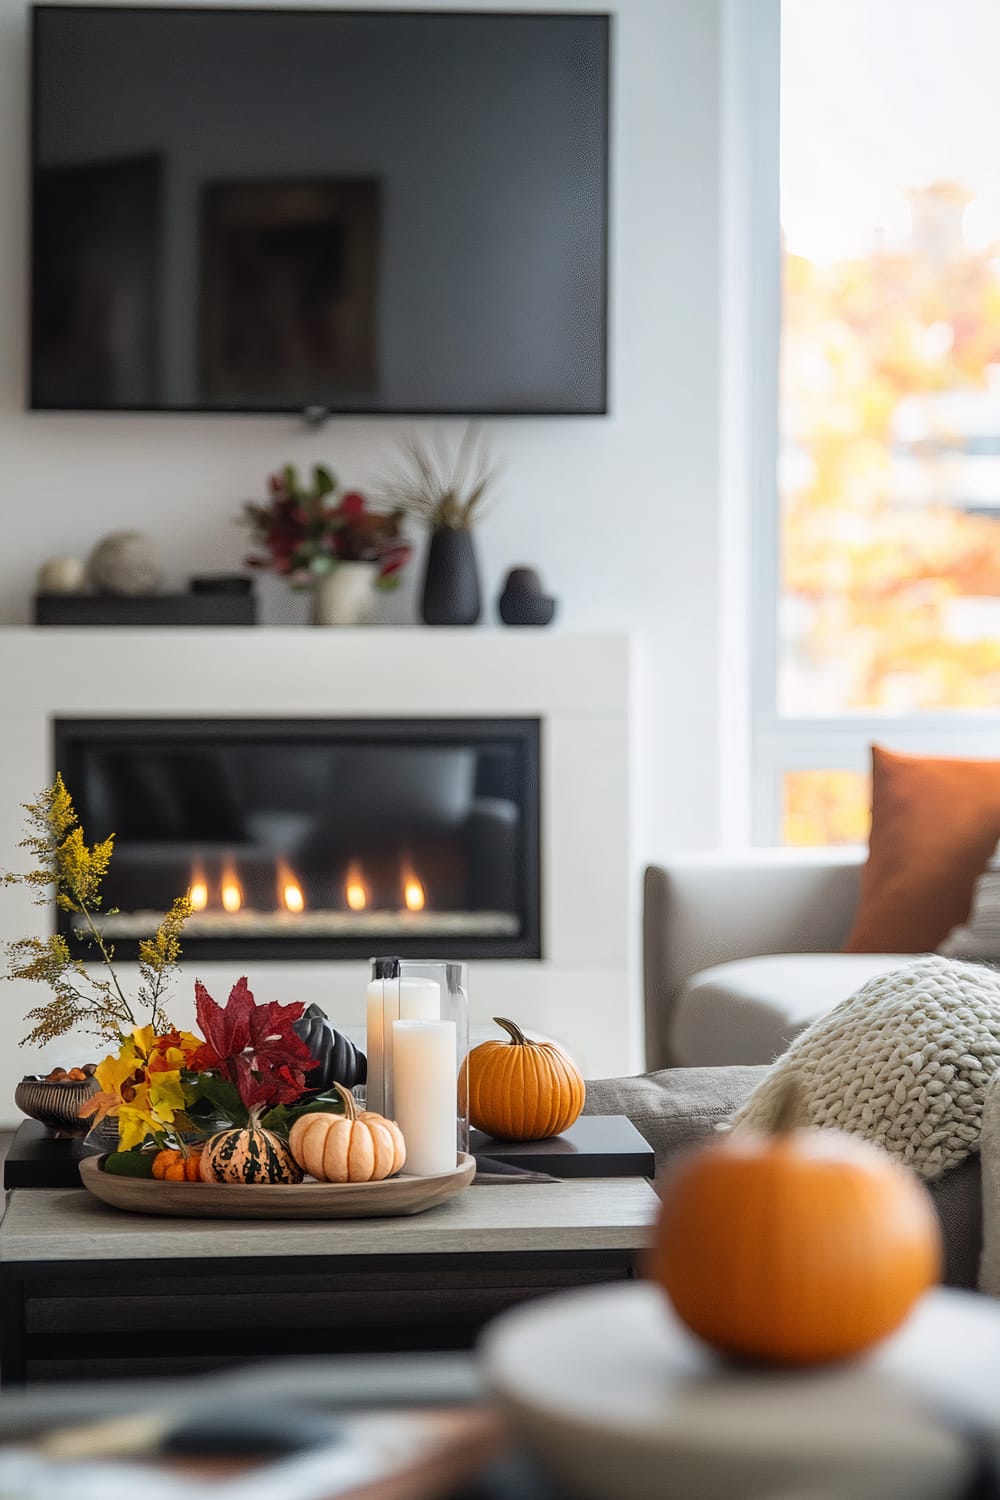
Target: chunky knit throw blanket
{"points": [[906, 1062]]}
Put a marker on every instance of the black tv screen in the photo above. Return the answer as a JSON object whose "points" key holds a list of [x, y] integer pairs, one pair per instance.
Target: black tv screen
{"points": [[352, 211]]}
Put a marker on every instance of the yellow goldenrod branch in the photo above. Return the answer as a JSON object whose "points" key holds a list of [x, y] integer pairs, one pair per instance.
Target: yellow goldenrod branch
{"points": [[105, 955]]}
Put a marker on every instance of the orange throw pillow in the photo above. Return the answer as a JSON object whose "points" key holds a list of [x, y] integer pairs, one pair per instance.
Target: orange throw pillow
{"points": [[935, 823]]}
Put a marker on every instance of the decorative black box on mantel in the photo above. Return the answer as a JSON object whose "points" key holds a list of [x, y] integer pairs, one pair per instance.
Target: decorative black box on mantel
{"points": [[146, 609]]}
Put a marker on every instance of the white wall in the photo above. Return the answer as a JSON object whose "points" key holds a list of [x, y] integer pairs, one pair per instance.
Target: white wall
{"points": [[620, 513]]}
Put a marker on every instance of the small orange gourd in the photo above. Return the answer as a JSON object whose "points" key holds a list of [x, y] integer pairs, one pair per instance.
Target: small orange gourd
{"points": [[352, 1147], [797, 1247], [522, 1090], [172, 1165]]}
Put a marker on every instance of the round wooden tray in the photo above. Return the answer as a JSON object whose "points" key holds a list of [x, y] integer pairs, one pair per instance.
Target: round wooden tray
{"points": [[305, 1200]]}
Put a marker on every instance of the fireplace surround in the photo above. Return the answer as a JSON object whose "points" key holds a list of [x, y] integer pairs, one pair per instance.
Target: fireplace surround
{"points": [[583, 990]]}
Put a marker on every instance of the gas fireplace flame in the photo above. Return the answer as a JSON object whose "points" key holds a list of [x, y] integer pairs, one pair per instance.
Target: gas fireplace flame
{"points": [[198, 890], [413, 892], [232, 891], [355, 890], [289, 891]]}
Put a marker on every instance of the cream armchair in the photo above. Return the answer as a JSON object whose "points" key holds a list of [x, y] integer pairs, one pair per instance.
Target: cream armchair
{"points": [[740, 951]]}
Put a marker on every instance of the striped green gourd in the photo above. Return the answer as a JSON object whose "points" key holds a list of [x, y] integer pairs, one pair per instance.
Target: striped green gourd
{"points": [[248, 1154]]}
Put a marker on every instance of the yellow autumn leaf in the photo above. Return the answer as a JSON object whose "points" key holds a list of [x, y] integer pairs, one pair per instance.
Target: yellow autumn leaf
{"points": [[164, 1096], [113, 1073], [134, 1125]]}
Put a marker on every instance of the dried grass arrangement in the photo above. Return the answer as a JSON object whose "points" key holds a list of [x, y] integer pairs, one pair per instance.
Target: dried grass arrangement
{"points": [[444, 489]]}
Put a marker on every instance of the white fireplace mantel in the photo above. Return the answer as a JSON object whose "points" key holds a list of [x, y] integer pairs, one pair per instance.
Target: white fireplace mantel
{"points": [[583, 991]]}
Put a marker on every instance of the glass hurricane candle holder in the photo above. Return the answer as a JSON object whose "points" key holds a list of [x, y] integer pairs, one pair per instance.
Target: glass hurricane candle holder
{"points": [[418, 1039]]}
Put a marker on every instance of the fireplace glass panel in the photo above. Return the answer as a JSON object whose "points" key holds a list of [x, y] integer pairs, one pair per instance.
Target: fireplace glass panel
{"points": [[315, 838]]}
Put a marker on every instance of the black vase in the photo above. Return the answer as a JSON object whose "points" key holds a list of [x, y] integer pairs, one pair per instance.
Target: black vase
{"points": [[451, 580]]}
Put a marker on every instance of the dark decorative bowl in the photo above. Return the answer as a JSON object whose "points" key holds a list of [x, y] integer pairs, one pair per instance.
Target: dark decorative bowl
{"points": [[57, 1105], [526, 609]]}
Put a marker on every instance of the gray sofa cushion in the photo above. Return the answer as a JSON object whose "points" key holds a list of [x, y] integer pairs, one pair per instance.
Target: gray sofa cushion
{"points": [[674, 1107], [958, 1198]]}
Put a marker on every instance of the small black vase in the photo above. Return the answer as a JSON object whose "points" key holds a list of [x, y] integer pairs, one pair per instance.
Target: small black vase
{"points": [[451, 580]]}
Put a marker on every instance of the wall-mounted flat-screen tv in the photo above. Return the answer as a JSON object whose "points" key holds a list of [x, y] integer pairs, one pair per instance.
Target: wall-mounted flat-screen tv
{"points": [[347, 211]]}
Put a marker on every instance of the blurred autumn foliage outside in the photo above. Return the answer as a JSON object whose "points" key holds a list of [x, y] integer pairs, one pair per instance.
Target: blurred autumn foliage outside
{"points": [[825, 807], [889, 480]]}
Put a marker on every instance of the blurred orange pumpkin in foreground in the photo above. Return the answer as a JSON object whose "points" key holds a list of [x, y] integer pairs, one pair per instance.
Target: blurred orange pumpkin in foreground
{"points": [[799, 1246]]}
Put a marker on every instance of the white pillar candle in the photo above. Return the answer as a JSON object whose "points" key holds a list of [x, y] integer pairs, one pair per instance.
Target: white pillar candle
{"points": [[425, 1067], [391, 1000], [419, 1000], [382, 1010]]}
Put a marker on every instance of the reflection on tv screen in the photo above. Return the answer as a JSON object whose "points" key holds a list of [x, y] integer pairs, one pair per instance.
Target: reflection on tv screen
{"points": [[265, 210]]}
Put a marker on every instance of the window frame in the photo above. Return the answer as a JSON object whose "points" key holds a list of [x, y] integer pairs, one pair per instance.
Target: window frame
{"points": [[780, 743]]}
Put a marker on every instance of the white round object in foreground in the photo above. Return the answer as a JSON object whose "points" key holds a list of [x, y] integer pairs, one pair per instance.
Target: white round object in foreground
{"points": [[620, 1402]]}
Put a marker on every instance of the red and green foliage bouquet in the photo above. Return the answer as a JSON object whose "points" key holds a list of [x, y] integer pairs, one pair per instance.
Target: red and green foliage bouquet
{"points": [[252, 1064], [305, 530], [248, 1067]]}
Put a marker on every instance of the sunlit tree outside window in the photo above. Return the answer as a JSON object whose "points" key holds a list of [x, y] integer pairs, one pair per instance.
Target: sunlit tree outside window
{"points": [[889, 465], [825, 807]]}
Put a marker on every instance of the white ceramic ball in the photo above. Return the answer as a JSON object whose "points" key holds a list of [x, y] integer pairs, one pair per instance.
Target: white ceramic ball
{"points": [[61, 575], [126, 562]]}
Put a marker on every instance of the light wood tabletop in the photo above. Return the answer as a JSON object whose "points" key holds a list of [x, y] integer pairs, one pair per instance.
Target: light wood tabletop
{"points": [[584, 1214]]}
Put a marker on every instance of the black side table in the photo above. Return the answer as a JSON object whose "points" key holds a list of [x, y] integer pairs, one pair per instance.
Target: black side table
{"points": [[595, 1146], [38, 1159]]}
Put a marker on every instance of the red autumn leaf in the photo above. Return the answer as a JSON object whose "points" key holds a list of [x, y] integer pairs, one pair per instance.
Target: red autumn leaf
{"points": [[254, 1046], [226, 1032], [260, 1084]]}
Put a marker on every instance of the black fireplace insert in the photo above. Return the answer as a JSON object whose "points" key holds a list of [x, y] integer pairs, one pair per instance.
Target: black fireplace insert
{"points": [[315, 838]]}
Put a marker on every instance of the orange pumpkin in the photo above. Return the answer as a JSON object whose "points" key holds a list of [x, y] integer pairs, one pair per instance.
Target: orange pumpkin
{"points": [[351, 1147], [522, 1090], [797, 1247], [172, 1165]]}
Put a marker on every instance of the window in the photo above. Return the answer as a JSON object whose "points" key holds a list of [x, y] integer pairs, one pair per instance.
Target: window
{"points": [[888, 534]]}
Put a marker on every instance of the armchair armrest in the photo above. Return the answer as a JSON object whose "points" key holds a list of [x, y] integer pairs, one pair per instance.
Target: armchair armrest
{"points": [[705, 909]]}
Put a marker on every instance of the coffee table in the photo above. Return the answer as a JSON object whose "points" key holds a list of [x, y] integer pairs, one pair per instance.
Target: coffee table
{"points": [[86, 1290]]}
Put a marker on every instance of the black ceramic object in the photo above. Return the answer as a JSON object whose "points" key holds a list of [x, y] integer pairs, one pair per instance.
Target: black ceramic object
{"points": [[527, 611], [220, 583], [523, 581], [451, 580], [522, 601], [338, 1060]]}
